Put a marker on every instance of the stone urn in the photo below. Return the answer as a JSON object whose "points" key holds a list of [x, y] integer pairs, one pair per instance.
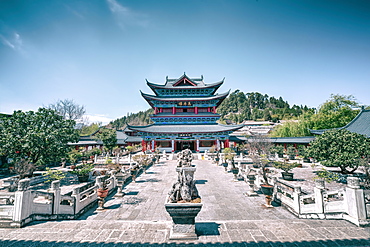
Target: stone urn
{"points": [[183, 220]]}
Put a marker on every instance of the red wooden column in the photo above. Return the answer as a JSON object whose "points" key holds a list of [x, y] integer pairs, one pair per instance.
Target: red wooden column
{"points": [[227, 143], [173, 110], [143, 145], [196, 110], [214, 109]]}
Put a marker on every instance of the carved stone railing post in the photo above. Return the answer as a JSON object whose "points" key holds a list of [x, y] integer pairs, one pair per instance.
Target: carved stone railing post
{"points": [[319, 197], [55, 186], [355, 197], [22, 202], [296, 199], [77, 196]]}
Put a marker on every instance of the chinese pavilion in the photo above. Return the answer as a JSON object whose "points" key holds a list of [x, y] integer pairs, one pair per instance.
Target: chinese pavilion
{"points": [[184, 116]]}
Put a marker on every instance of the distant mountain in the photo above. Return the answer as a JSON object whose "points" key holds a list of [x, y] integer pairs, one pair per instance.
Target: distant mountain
{"points": [[137, 119], [239, 106]]}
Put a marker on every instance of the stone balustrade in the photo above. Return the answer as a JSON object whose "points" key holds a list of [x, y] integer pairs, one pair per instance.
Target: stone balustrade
{"points": [[352, 203]]}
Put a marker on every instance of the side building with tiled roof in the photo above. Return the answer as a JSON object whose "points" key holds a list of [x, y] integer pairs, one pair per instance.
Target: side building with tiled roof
{"points": [[360, 124], [124, 137]]}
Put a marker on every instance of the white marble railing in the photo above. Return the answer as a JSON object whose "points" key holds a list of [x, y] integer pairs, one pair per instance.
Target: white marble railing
{"points": [[349, 203]]}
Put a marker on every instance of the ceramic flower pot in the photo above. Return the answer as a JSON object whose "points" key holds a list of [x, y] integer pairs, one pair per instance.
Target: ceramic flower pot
{"points": [[288, 176], [102, 192]]}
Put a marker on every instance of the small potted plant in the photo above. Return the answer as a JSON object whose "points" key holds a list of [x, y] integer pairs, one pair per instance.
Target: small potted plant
{"points": [[286, 167], [291, 152], [279, 150], [323, 176], [83, 172], [103, 190], [302, 150], [53, 175]]}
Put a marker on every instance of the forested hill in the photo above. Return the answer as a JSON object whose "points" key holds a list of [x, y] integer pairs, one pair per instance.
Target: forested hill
{"points": [[239, 106], [140, 118]]}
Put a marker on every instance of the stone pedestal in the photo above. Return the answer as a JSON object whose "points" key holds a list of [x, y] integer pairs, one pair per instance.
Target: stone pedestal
{"points": [[183, 217], [187, 170]]}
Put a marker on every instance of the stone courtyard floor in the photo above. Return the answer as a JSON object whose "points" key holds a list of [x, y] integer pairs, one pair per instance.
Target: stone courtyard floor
{"points": [[228, 218]]}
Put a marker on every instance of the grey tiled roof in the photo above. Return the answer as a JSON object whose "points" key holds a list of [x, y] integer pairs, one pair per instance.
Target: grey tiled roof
{"points": [[360, 125], [281, 140], [193, 128], [185, 98], [298, 140], [198, 81]]}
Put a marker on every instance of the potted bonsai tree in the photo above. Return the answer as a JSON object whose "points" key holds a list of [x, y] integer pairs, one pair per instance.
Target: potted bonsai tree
{"points": [[302, 150], [291, 152], [279, 150], [260, 147], [286, 167], [83, 172]]}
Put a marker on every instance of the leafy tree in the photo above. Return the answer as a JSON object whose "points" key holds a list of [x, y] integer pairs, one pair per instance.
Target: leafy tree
{"points": [[340, 148], [40, 137], [68, 109], [335, 112], [90, 129], [292, 129], [239, 106], [108, 137]]}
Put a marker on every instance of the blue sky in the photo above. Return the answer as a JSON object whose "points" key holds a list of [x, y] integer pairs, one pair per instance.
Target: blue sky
{"points": [[99, 52]]}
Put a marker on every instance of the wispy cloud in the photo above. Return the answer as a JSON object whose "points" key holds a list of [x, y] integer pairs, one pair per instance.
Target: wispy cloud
{"points": [[15, 41], [95, 118], [125, 16], [74, 12]]}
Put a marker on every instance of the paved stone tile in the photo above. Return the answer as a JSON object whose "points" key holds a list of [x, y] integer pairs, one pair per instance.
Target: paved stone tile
{"points": [[228, 218]]}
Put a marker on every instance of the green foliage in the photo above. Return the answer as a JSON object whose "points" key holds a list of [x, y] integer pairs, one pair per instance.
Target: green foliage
{"points": [[229, 154], [326, 175], [239, 107], [292, 129], [285, 166], [90, 129], [40, 136], [140, 118], [340, 148], [335, 112], [129, 148], [53, 175], [74, 156], [108, 137], [291, 151], [277, 149], [83, 169], [94, 151]]}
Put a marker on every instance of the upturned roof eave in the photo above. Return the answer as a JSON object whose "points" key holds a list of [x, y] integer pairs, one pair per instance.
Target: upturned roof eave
{"points": [[167, 128], [154, 97], [168, 85]]}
